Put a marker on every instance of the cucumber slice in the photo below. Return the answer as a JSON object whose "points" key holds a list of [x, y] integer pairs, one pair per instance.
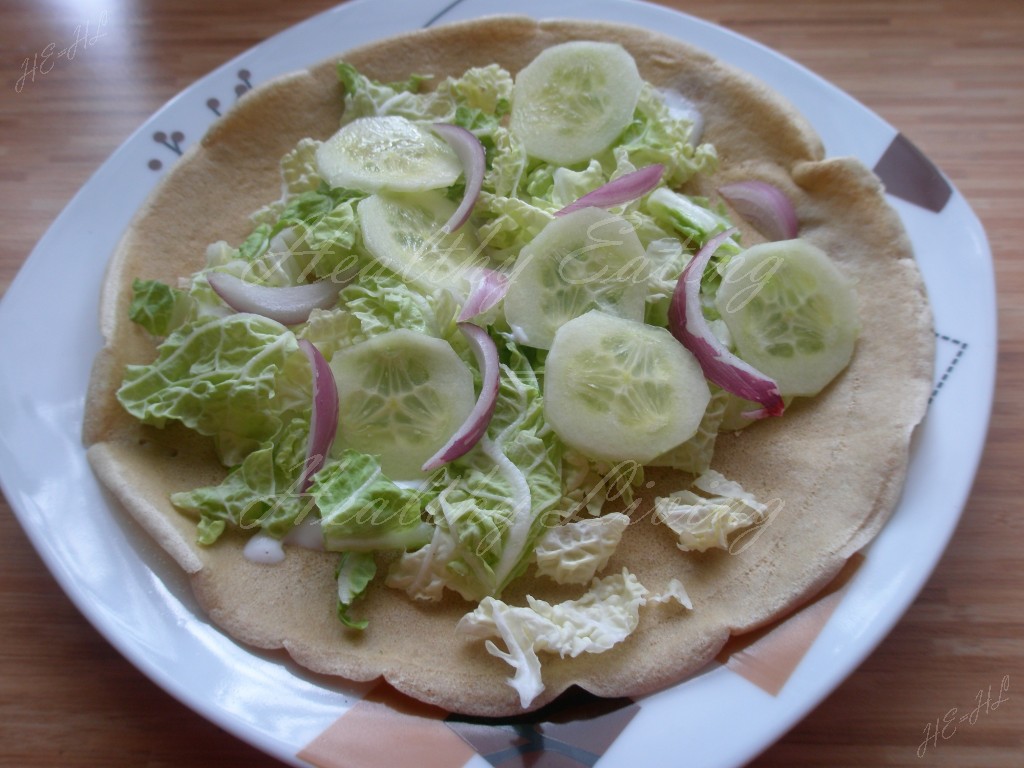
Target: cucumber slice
{"points": [[573, 100], [621, 390], [375, 153], [791, 312], [588, 259], [404, 233], [401, 395]]}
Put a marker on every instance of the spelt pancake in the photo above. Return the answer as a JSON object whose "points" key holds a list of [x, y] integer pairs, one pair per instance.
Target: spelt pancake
{"points": [[832, 467]]}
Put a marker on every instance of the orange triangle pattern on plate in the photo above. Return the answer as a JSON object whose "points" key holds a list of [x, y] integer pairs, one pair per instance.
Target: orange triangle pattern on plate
{"points": [[768, 656], [388, 729]]}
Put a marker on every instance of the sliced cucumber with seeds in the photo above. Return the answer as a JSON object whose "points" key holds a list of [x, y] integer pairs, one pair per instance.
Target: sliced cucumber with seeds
{"points": [[573, 100], [588, 259], [401, 395], [621, 390], [404, 232], [791, 312], [375, 153]]}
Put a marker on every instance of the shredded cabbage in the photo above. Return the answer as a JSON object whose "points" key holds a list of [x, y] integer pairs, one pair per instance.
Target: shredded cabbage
{"points": [[571, 553], [706, 522], [601, 618]]}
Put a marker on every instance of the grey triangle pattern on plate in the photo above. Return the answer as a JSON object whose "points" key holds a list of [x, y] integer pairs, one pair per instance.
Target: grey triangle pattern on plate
{"points": [[954, 350]]}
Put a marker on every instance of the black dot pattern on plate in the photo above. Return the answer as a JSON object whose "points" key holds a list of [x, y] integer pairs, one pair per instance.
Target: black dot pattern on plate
{"points": [[215, 105], [172, 142], [245, 84]]}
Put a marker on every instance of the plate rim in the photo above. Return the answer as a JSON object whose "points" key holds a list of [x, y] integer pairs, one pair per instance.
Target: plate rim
{"points": [[241, 730]]}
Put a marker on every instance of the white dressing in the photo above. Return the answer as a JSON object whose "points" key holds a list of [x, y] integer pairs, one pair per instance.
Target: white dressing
{"points": [[264, 549]]}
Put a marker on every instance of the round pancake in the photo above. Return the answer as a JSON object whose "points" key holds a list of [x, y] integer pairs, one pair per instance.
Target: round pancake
{"points": [[831, 469]]}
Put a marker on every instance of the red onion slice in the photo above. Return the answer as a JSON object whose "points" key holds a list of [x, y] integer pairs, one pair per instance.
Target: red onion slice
{"points": [[323, 423], [627, 187], [466, 436], [687, 323], [288, 305], [765, 206], [488, 287], [470, 152]]}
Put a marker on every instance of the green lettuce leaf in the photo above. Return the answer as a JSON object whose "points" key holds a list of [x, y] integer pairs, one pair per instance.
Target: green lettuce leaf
{"points": [[510, 223], [485, 89], [310, 234], [477, 100], [364, 96], [383, 302], [238, 378], [256, 244], [686, 217], [158, 307], [379, 302], [328, 245], [507, 164], [362, 510], [655, 136], [299, 173], [355, 571], [319, 234], [331, 330], [667, 259], [695, 223], [260, 493]]}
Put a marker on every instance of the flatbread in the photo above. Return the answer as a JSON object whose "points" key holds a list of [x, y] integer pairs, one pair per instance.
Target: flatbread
{"points": [[831, 469]]}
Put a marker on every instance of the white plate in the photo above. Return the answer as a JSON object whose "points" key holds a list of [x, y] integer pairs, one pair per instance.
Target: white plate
{"points": [[141, 603]]}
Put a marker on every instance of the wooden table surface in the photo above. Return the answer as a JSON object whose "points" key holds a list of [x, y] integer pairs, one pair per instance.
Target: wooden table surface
{"points": [[949, 75]]}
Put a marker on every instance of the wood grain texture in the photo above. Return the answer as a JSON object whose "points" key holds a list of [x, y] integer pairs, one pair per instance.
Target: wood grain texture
{"points": [[947, 74]]}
